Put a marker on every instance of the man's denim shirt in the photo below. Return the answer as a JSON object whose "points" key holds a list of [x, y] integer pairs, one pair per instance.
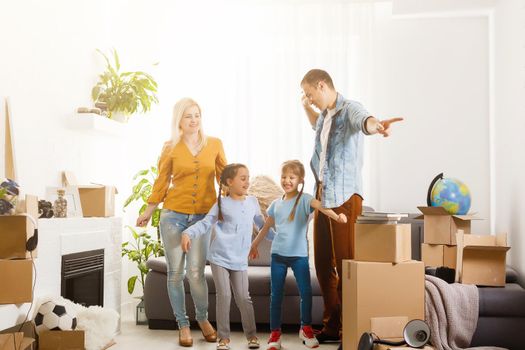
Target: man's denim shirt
{"points": [[344, 152]]}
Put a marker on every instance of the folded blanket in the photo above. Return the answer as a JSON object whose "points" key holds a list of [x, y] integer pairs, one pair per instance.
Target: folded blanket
{"points": [[451, 311]]}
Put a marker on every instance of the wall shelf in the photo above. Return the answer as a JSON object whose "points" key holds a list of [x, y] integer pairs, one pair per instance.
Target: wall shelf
{"points": [[92, 121]]}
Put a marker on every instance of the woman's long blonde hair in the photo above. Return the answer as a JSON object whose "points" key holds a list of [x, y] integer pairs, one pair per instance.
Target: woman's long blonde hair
{"points": [[178, 113]]}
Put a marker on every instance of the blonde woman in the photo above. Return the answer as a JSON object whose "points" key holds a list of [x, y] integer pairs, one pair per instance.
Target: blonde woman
{"points": [[188, 165]]}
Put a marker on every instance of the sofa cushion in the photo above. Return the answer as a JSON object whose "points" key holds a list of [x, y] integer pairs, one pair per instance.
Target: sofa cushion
{"points": [[264, 257], [157, 264], [511, 276], [508, 301], [258, 278]]}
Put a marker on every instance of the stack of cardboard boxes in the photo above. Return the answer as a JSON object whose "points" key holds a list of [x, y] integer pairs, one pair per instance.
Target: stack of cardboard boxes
{"points": [[16, 266], [477, 259], [383, 288], [16, 276]]}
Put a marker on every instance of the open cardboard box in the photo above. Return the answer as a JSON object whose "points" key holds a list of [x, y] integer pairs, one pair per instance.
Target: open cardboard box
{"points": [[440, 227], [24, 337], [16, 278], [481, 259], [16, 229], [383, 243], [437, 255], [96, 200], [61, 340], [376, 289]]}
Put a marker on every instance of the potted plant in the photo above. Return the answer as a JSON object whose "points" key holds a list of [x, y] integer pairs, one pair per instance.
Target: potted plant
{"points": [[123, 93], [141, 191], [142, 246], [139, 250]]}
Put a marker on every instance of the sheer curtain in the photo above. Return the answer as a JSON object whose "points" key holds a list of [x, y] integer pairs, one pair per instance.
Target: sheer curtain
{"points": [[244, 60]]}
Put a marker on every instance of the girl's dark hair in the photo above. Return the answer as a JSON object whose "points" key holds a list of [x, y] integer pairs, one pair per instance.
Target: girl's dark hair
{"points": [[297, 168], [228, 173]]}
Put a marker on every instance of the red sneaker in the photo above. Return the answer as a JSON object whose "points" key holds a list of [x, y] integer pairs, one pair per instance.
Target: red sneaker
{"points": [[274, 343]]}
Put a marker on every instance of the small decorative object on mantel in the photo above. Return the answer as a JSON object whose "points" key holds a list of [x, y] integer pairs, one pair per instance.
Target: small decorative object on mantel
{"points": [[8, 197], [61, 204], [45, 209]]}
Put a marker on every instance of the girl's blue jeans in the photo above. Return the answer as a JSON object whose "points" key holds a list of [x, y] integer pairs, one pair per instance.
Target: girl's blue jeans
{"points": [[301, 271]]}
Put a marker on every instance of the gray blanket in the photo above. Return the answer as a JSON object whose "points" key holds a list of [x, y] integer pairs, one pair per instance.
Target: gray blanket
{"points": [[451, 311]]}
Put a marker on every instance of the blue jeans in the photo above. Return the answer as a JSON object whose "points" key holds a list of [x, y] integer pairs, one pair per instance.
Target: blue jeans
{"points": [[181, 264], [301, 271]]}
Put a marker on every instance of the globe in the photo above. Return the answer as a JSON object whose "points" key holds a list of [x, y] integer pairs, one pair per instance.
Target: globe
{"points": [[451, 194]]}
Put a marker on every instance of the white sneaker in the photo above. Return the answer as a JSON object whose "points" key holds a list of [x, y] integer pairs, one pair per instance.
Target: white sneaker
{"points": [[306, 334]]}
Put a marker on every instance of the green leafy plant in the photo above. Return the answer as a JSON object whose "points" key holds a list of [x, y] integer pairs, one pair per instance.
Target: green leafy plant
{"points": [[143, 246], [139, 250], [124, 91], [141, 192]]}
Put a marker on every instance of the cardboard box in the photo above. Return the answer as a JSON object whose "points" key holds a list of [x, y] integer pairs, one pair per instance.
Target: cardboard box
{"points": [[61, 340], [440, 227], [383, 243], [15, 230], [437, 255], [16, 277], [375, 289], [96, 200], [15, 341], [388, 328], [481, 259], [29, 335]]}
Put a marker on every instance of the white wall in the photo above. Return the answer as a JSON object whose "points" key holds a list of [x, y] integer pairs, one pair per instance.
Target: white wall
{"points": [[509, 140], [458, 67], [434, 73], [48, 65]]}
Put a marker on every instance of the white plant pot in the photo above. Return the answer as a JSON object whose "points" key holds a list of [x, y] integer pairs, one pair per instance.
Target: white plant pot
{"points": [[120, 117]]}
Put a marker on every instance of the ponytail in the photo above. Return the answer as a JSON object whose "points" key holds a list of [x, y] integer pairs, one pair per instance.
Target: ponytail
{"points": [[219, 203], [292, 214], [297, 168]]}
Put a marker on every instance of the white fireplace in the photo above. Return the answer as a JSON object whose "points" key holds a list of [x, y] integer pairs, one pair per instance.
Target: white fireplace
{"points": [[58, 237]]}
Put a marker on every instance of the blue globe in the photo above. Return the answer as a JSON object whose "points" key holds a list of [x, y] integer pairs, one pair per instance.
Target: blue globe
{"points": [[451, 194]]}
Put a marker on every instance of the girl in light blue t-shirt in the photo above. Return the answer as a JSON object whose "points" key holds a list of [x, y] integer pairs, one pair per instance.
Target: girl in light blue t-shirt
{"points": [[290, 215]]}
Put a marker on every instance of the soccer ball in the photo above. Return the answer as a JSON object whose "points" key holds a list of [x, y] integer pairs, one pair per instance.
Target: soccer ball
{"points": [[53, 316]]}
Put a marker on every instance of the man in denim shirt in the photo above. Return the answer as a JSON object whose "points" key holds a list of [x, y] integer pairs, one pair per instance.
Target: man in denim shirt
{"points": [[336, 163]]}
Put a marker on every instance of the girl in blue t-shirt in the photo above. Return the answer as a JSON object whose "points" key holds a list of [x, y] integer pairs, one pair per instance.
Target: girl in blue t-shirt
{"points": [[290, 215]]}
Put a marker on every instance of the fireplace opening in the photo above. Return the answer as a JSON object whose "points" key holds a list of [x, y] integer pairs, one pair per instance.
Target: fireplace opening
{"points": [[83, 277]]}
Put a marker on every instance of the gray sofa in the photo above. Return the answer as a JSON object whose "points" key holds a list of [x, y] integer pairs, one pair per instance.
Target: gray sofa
{"points": [[160, 314]]}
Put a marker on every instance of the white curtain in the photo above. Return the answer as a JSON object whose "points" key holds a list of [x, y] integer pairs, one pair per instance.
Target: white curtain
{"points": [[244, 60]]}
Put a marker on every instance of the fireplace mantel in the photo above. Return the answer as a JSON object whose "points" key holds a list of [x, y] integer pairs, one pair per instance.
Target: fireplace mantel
{"points": [[58, 237]]}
